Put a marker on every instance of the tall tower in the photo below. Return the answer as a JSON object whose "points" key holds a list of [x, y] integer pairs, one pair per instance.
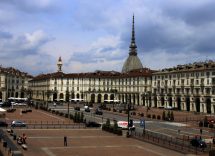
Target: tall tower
{"points": [[132, 62], [59, 65]]}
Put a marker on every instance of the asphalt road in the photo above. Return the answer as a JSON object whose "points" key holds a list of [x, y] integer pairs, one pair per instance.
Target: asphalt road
{"points": [[169, 129]]}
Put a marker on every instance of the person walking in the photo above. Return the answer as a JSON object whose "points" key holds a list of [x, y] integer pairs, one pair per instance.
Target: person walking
{"points": [[65, 141], [201, 131]]}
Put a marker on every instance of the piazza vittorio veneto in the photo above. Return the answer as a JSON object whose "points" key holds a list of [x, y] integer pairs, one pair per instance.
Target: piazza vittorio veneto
{"points": [[136, 96], [188, 87]]}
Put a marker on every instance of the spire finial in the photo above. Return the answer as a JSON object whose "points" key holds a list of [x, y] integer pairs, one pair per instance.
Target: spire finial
{"points": [[133, 46], [59, 64]]}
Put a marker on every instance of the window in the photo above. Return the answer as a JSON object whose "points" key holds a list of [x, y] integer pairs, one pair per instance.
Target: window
{"points": [[202, 81], [192, 81], [213, 81], [182, 81]]}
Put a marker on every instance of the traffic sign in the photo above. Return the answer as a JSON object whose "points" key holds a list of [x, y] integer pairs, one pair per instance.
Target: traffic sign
{"points": [[142, 123]]}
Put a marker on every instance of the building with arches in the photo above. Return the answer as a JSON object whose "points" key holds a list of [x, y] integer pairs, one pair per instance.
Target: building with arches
{"points": [[13, 83], [100, 86], [95, 87], [189, 87]]}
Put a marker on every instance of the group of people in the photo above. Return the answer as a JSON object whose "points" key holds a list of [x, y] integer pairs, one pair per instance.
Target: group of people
{"points": [[22, 139]]}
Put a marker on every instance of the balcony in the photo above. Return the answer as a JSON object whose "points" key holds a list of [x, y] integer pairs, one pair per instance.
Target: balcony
{"points": [[192, 85]]}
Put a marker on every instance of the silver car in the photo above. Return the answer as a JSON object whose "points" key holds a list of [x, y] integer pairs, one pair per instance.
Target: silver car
{"points": [[18, 123]]}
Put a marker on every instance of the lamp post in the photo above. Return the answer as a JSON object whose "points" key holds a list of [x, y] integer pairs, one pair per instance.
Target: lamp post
{"points": [[128, 103], [68, 107]]}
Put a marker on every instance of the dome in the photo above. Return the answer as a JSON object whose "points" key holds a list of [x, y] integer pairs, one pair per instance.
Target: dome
{"points": [[132, 62]]}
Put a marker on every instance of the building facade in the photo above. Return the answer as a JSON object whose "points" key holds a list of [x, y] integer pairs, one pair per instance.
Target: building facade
{"points": [[189, 87], [98, 87], [13, 83]]}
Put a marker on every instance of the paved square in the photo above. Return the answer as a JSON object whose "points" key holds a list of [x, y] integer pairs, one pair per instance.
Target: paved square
{"points": [[86, 142]]}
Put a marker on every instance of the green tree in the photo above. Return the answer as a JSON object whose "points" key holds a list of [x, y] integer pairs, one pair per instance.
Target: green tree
{"points": [[82, 117], [108, 122], [164, 115], [115, 126], [168, 115], [75, 117], [78, 117], [172, 116]]}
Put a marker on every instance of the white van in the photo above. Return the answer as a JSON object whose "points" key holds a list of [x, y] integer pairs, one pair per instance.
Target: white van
{"points": [[124, 125]]}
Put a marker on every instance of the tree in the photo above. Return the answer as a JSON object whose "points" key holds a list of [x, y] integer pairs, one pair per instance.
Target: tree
{"points": [[78, 117], [172, 116], [108, 122], [115, 126], [164, 115], [75, 117], [82, 117], [168, 115]]}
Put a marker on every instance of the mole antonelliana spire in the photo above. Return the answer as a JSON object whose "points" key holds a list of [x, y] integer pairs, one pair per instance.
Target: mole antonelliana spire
{"points": [[133, 47], [132, 62]]}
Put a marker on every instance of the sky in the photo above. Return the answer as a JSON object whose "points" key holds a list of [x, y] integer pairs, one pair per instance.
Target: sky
{"points": [[92, 35]]}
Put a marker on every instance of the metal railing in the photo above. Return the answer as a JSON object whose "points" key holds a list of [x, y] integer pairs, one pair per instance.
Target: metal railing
{"points": [[180, 145]]}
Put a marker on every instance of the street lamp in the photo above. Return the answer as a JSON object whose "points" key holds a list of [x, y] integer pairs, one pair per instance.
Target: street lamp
{"points": [[129, 106], [68, 107]]}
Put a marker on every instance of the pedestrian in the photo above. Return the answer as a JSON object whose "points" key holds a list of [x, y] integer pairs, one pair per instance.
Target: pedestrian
{"points": [[200, 131], [179, 131], [65, 141]]}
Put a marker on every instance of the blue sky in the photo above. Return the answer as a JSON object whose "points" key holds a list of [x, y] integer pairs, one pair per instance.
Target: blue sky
{"points": [[94, 35]]}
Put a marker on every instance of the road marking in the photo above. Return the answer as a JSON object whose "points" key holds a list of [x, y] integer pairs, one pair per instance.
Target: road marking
{"points": [[55, 129], [79, 137], [47, 151]]}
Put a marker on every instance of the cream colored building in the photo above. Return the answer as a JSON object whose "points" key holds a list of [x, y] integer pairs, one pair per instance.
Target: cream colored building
{"points": [[93, 87], [97, 87], [189, 87], [13, 83]]}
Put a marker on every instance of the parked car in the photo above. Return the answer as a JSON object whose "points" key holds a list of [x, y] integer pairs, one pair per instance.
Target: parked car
{"points": [[77, 108], [3, 124], [98, 112], [197, 142], [6, 104], [87, 109], [11, 110], [92, 124], [18, 123], [1, 103]]}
